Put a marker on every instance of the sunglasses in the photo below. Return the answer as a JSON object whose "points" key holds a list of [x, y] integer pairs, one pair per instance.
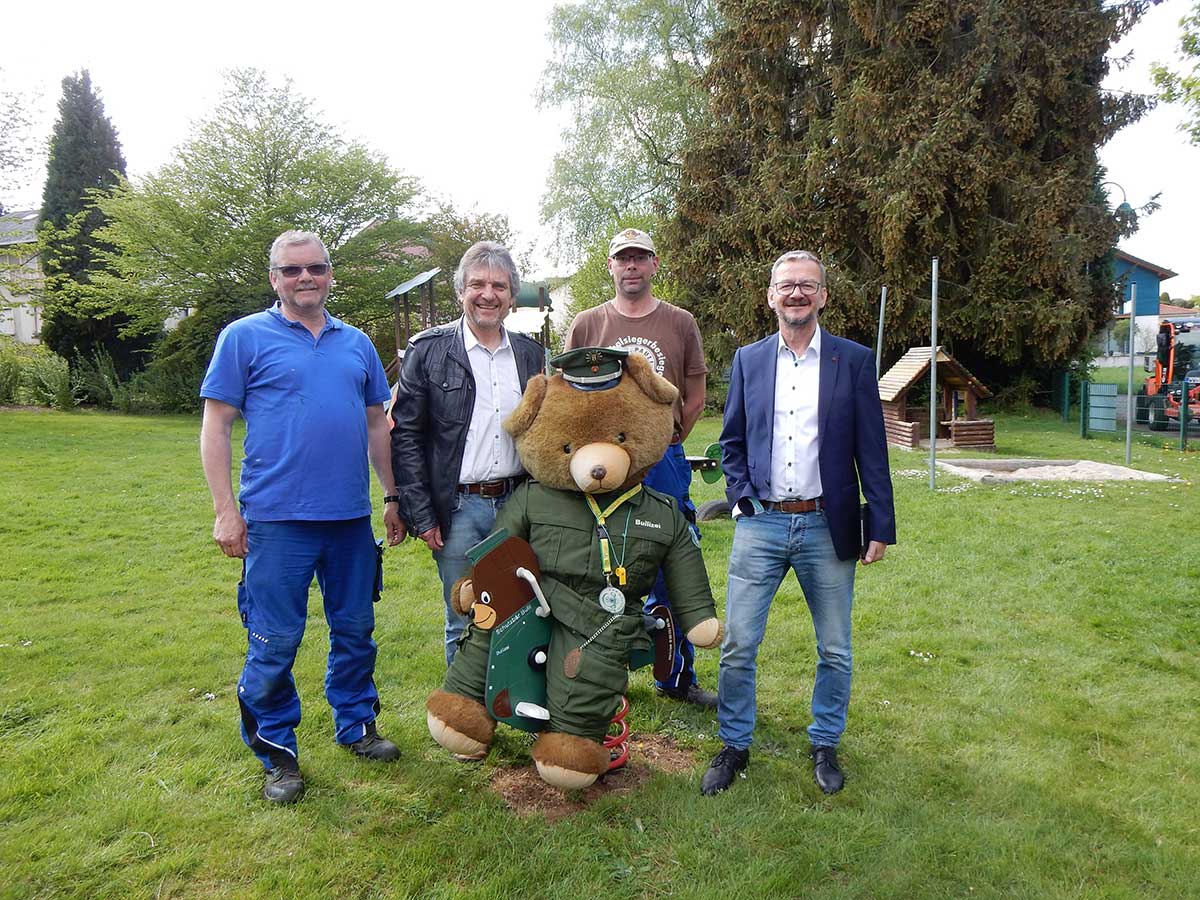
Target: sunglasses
{"points": [[294, 271]]}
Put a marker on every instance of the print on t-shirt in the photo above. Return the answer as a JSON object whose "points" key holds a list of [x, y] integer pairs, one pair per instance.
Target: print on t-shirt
{"points": [[646, 347]]}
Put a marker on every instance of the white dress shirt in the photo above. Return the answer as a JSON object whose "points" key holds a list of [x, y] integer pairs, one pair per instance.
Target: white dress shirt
{"points": [[490, 452], [795, 473]]}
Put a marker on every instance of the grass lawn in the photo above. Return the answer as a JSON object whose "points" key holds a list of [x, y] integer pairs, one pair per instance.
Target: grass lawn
{"points": [[1119, 375], [1024, 720]]}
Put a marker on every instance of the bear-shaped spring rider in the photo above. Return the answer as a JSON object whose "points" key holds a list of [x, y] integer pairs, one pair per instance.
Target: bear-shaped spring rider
{"points": [[558, 624]]}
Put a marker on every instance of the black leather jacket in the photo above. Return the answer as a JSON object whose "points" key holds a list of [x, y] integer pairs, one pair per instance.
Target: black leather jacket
{"points": [[434, 400]]}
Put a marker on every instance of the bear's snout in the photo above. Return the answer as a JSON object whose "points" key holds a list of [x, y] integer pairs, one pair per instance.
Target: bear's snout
{"points": [[600, 467]]}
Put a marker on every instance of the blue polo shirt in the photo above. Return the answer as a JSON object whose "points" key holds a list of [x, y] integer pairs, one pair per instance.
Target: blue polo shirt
{"points": [[304, 400]]}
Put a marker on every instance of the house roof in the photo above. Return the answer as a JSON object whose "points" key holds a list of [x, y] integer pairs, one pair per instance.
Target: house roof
{"points": [[1166, 309], [1162, 273], [19, 227], [915, 363]]}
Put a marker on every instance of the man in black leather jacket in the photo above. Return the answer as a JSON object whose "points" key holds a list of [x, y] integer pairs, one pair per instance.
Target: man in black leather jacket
{"points": [[454, 463]]}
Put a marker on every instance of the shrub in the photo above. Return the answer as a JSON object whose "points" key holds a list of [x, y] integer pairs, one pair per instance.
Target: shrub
{"points": [[10, 371], [99, 383], [1017, 397], [46, 381], [172, 384]]}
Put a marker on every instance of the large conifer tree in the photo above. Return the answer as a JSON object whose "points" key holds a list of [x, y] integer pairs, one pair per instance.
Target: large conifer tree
{"points": [[881, 134], [85, 155]]}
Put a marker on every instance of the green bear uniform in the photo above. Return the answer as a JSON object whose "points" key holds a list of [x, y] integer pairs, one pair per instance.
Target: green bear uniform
{"points": [[647, 532]]}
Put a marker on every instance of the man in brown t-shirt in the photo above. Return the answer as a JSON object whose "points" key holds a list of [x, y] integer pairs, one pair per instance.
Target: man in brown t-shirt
{"points": [[637, 321]]}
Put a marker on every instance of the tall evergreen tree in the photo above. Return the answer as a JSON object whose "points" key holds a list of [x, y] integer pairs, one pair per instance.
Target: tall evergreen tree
{"points": [[85, 156], [881, 133]]}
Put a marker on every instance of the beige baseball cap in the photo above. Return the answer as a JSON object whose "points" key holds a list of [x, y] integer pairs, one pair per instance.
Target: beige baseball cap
{"points": [[630, 237]]}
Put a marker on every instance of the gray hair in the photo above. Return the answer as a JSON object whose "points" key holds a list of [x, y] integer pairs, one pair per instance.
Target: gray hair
{"points": [[798, 256], [293, 239], [493, 255]]}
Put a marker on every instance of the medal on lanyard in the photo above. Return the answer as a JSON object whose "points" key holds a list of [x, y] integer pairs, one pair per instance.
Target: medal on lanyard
{"points": [[611, 598]]}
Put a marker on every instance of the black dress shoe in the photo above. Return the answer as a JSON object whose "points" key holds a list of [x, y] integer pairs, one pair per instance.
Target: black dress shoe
{"points": [[826, 772], [693, 694], [372, 746], [723, 770], [283, 784]]}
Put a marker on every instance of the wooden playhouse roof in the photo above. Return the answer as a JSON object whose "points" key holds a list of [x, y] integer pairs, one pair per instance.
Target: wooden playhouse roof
{"points": [[915, 363]]}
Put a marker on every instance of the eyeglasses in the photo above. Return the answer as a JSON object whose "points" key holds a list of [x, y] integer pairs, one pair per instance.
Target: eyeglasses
{"points": [[294, 271], [626, 258], [807, 288]]}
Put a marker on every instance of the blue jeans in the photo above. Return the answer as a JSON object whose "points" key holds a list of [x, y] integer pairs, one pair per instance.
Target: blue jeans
{"points": [[765, 546], [472, 518], [672, 476], [273, 603]]}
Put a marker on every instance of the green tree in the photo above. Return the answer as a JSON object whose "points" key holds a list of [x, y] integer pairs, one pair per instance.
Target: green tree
{"points": [[881, 134], [629, 71], [85, 156], [1120, 335], [194, 235], [448, 234], [1184, 87]]}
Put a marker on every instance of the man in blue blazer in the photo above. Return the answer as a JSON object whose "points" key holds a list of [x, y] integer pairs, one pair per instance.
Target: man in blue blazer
{"points": [[803, 432]]}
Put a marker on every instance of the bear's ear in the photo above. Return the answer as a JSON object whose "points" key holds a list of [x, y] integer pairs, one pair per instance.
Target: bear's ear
{"points": [[531, 403], [652, 384]]}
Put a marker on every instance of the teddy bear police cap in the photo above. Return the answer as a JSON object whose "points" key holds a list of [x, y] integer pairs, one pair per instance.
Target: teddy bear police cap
{"points": [[591, 368]]}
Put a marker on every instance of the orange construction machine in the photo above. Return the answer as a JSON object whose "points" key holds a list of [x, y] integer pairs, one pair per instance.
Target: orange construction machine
{"points": [[1176, 368]]}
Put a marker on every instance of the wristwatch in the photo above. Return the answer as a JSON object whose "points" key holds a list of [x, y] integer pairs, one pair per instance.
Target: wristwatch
{"points": [[391, 498]]}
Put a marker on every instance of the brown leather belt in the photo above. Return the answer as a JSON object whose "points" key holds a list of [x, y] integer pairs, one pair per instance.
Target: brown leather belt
{"points": [[795, 506], [496, 488]]}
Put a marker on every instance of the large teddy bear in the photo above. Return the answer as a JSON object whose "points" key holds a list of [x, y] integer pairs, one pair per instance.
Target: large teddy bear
{"points": [[590, 432]]}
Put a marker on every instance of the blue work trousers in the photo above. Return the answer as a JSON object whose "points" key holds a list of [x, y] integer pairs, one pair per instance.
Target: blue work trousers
{"points": [[672, 476], [273, 602]]}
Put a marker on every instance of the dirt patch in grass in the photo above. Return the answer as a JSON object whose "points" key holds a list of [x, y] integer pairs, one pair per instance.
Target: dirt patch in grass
{"points": [[526, 794]]}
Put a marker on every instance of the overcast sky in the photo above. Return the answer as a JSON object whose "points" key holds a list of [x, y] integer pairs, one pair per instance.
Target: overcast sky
{"points": [[447, 90]]}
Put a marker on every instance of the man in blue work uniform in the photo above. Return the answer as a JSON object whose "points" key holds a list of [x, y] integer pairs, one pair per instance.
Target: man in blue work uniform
{"points": [[312, 390], [636, 321]]}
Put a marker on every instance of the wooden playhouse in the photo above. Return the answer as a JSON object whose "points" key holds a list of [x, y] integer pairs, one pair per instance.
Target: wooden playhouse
{"points": [[958, 395]]}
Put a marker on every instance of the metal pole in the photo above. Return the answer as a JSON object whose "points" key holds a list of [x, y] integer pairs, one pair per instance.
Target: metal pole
{"points": [[1183, 412], [879, 336], [933, 378], [1083, 408], [1129, 388]]}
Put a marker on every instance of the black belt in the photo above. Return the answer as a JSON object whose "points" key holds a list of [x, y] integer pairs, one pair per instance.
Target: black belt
{"points": [[497, 487], [795, 506]]}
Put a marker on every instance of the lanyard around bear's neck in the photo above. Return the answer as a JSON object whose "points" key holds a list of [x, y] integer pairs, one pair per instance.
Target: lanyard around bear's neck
{"points": [[602, 531]]}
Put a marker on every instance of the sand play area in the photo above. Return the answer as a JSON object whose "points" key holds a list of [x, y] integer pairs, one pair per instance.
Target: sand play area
{"points": [[995, 470]]}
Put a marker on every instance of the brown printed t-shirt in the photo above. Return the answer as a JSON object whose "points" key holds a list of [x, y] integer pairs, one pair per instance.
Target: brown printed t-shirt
{"points": [[668, 337]]}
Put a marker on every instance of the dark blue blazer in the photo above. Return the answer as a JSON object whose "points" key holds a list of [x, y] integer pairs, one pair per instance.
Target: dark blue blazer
{"points": [[850, 435]]}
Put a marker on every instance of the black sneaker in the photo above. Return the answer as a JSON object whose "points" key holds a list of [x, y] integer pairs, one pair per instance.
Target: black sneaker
{"points": [[372, 746], [723, 770], [283, 784], [693, 694]]}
